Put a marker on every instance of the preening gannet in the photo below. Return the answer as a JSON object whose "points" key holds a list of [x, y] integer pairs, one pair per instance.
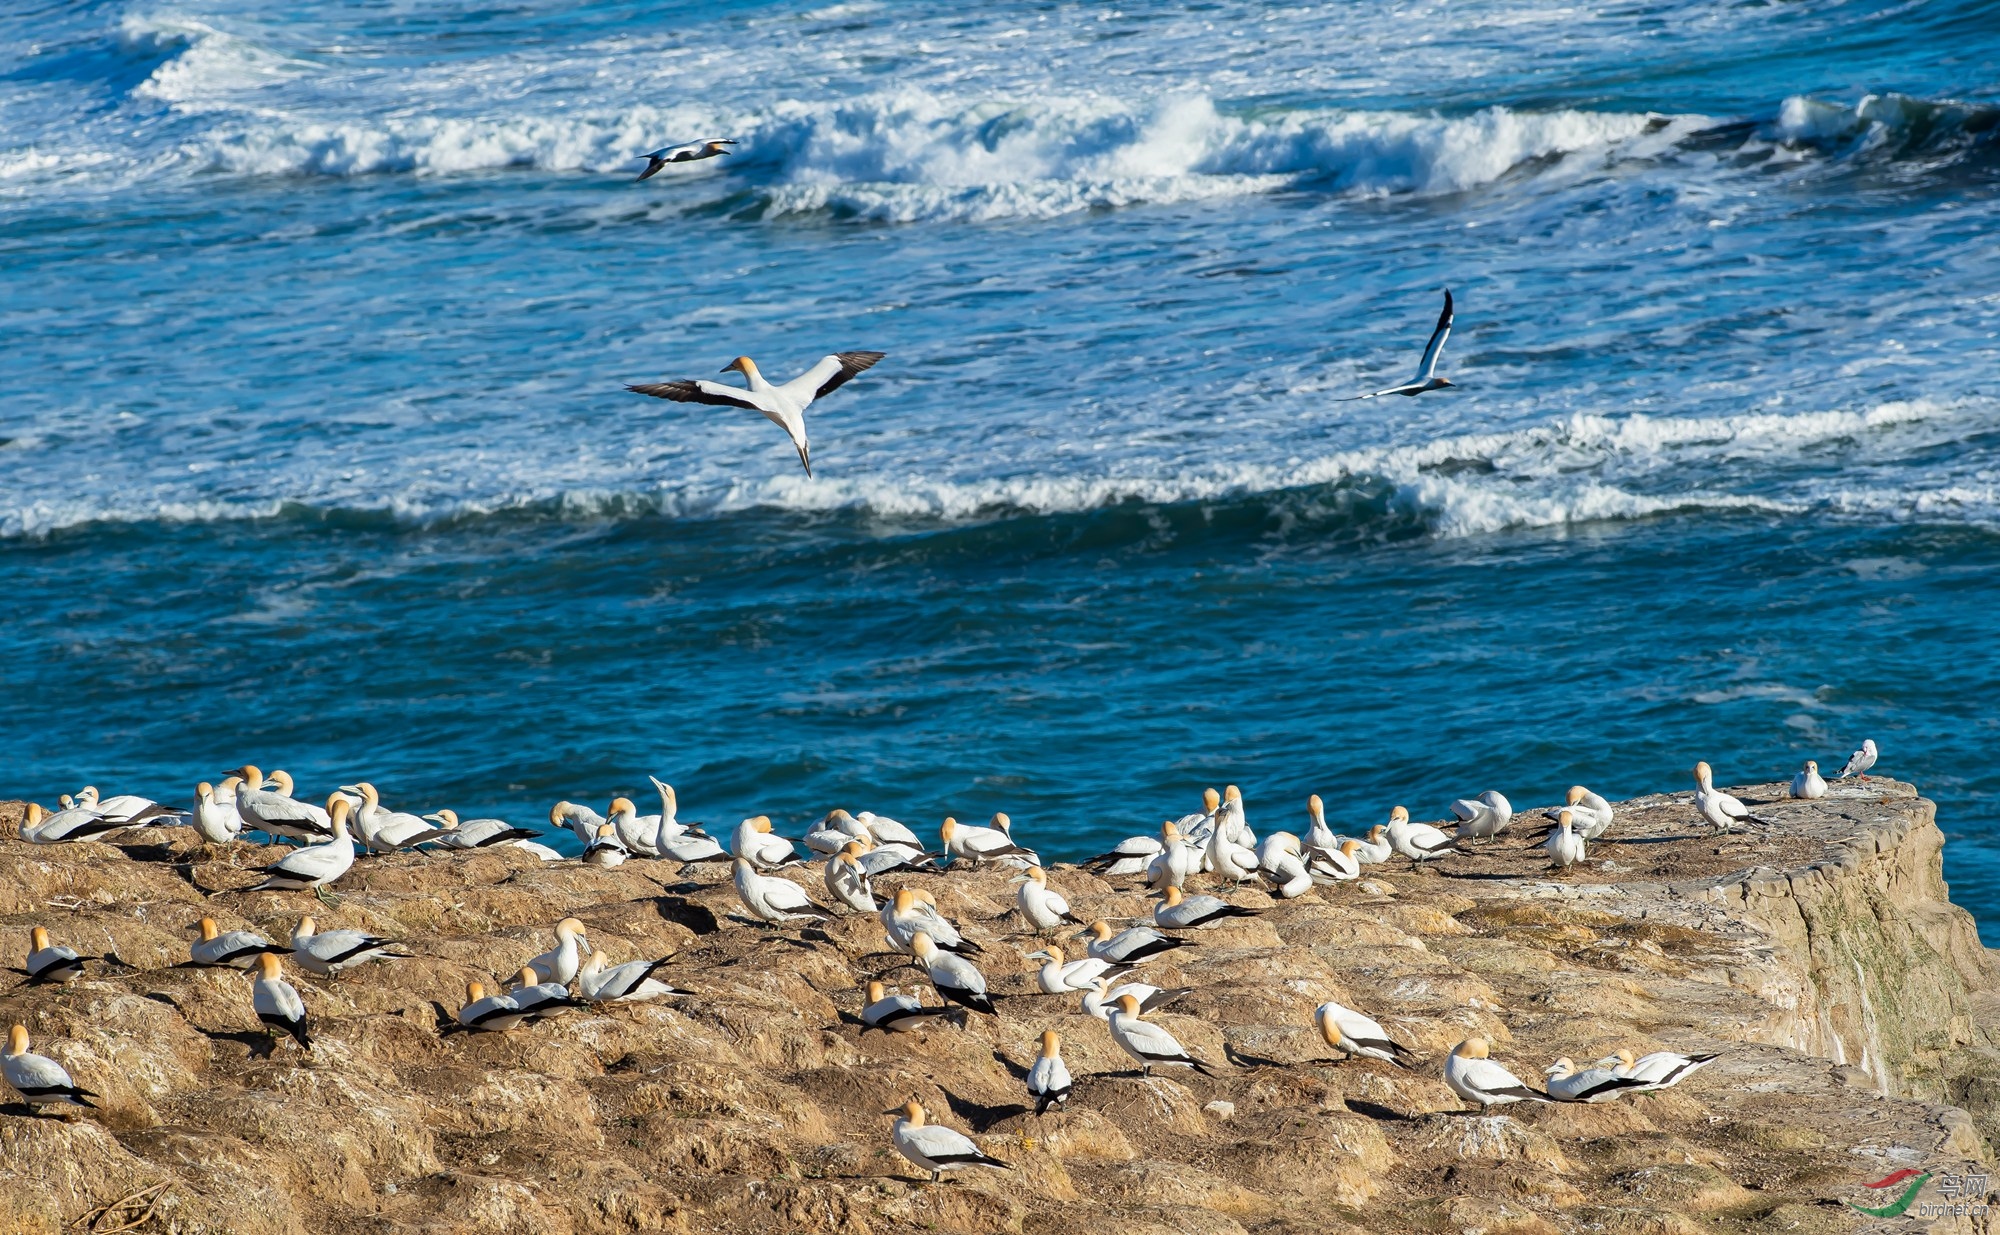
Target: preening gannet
{"points": [[1474, 1076], [476, 833], [1564, 846], [1347, 1030], [383, 830], [898, 1013], [581, 821], [1099, 1000], [1131, 856], [1589, 813], [1176, 860], [215, 816], [847, 881], [1043, 906], [1860, 761], [1419, 842], [330, 953], [784, 406], [1484, 816], [1426, 378], [1048, 1079], [1278, 857], [1146, 1042], [1059, 976], [1809, 783], [1375, 847], [1129, 946], [771, 898], [229, 949], [687, 152], [1719, 808], [39, 1080], [936, 1149], [754, 843], [637, 833], [605, 850], [1335, 865], [956, 979], [277, 1002], [1569, 1084], [631, 982], [1179, 913]]}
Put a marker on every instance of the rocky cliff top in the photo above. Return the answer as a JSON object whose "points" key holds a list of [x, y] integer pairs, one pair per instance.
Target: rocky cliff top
{"points": [[1820, 958]]}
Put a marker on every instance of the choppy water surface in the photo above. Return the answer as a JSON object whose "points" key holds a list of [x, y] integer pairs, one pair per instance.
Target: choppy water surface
{"points": [[313, 447]]}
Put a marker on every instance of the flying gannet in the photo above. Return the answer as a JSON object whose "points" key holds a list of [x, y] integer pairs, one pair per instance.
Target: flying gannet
{"points": [[784, 406], [936, 1149], [1809, 783], [1048, 1079], [687, 152], [1426, 378], [1860, 761], [1474, 1076], [39, 1080]]}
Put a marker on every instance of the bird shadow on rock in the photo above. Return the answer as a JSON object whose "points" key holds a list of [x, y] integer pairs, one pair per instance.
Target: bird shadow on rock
{"points": [[1017, 1071], [1242, 1060], [694, 915], [978, 1115], [260, 1045], [1375, 1111]]}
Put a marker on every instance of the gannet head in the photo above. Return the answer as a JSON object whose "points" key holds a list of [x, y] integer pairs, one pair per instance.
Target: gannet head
{"points": [[1702, 774], [761, 823], [1563, 821], [38, 938], [1350, 847], [337, 810], [1169, 833], [1375, 833], [445, 817], [716, 147], [875, 991], [1171, 897], [307, 928], [1051, 1044], [1575, 794], [475, 991], [906, 899], [1626, 1057], [948, 829], [837, 818], [911, 1112], [1316, 809], [1812, 765], [1471, 1048], [1129, 1005], [32, 816], [527, 977], [567, 929], [267, 965], [1211, 801], [850, 851], [920, 943], [1002, 822], [17, 1040], [1399, 814], [252, 777], [742, 364], [557, 814], [622, 806], [1231, 793], [1561, 1068], [1036, 874], [204, 792], [1099, 929], [1327, 1029], [229, 785], [281, 780], [207, 928]]}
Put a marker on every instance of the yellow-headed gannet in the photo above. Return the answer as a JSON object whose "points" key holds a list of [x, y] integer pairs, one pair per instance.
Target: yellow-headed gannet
{"points": [[560, 963], [331, 953], [1809, 783], [1721, 810], [1419, 842], [936, 1149], [39, 1080], [215, 816], [1337, 864], [1374, 848], [898, 1013], [631, 982], [38, 827], [1060, 976], [277, 814], [1589, 813], [1278, 857], [277, 1002], [687, 152], [1347, 1030], [383, 830], [229, 949], [1131, 856], [314, 866], [539, 1000], [754, 843], [1860, 761], [1146, 1042], [637, 833], [975, 845], [1659, 1070], [907, 913], [784, 406], [1175, 861], [887, 831], [1043, 906], [1129, 946], [772, 898], [956, 979], [1565, 847], [1048, 1079], [1318, 834], [847, 882], [605, 850], [476, 833], [1100, 998], [1179, 913], [52, 963], [130, 809], [1426, 378], [1483, 817], [581, 821], [1568, 1084], [488, 1013], [1474, 1076], [833, 832]]}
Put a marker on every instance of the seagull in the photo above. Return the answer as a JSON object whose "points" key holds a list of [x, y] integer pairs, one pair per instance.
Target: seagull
{"points": [[1059, 976], [1484, 816], [39, 1080], [1717, 807], [1419, 842], [1564, 845], [631, 982], [1860, 761], [278, 1004], [313, 866], [1659, 1070], [1048, 1079], [52, 963], [230, 949], [1043, 906], [1476, 1078], [486, 1013], [1130, 946], [560, 963], [898, 1013], [1426, 378], [1099, 1000], [1178, 913], [329, 953], [1146, 1042], [784, 406], [1588, 811], [1347, 1030], [936, 1149], [1568, 1083], [1809, 783], [955, 978], [771, 898], [690, 152]]}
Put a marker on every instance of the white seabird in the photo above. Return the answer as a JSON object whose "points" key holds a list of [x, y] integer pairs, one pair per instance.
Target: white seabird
{"points": [[784, 406], [1569, 1084], [277, 1002], [887, 831], [1318, 835], [1100, 998], [229, 949], [314, 866], [277, 814], [52, 963], [1176, 860], [74, 823], [909, 912], [560, 963], [539, 1000], [1129, 946], [754, 843], [1426, 378], [488, 1013], [581, 821], [936, 1149], [955, 979], [130, 809], [1809, 783], [383, 830], [1564, 845], [1129, 857], [847, 882], [976, 845], [1659, 1070], [476, 833], [39, 1080], [1588, 812], [1146, 1042], [772, 898], [1179, 913], [1484, 816], [1860, 761], [1048, 1078], [686, 152], [1335, 865], [1474, 1076], [1419, 842], [1278, 857], [1060, 976], [331, 953], [898, 1013], [1374, 849], [1347, 1030], [631, 982], [215, 816], [1043, 906], [1720, 809], [637, 833], [605, 850]]}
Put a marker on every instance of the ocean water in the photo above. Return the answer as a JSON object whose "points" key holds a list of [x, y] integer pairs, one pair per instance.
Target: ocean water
{"points": [[314, 448]]}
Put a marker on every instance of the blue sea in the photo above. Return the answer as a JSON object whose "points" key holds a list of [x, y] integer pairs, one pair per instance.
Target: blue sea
{"points": [[315, 452]]}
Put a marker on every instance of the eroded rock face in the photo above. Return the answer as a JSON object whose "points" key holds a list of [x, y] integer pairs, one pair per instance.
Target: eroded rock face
{"points": [[1848, 999]]}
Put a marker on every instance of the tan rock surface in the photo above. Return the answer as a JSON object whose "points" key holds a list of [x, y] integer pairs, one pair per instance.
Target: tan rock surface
{"points": [[1851, 1002]]}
